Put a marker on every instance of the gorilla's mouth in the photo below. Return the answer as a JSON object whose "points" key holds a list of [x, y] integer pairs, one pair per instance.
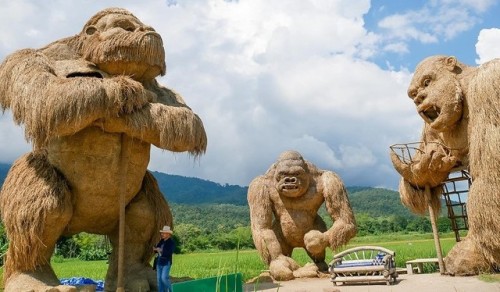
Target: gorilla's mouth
{"points": [[289, 187], [430, 114]]}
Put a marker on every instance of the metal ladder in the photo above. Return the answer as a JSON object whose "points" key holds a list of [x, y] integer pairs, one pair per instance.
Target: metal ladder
{"points": [[455, 192]]}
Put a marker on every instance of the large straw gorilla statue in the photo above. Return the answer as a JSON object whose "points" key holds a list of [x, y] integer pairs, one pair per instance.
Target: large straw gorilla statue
{"points": [[284, 204], [92, 108], [461, 109]]}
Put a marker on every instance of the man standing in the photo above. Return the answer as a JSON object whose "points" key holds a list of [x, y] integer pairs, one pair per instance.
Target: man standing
{"points": [[165, 249]]}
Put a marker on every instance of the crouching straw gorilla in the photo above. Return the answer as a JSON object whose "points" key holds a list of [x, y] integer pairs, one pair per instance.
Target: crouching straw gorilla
{"points": [[92, 108], [284, 205], [461, 109]]}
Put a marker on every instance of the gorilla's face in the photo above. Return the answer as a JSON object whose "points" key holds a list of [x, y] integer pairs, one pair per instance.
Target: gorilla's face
{"points": [[292, 178], [436, 93], [122, 45]]}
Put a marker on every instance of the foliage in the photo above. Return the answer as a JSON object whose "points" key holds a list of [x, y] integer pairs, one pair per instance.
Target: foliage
{"points": [[205, 264], [189, 190], [85, 246], [93, 254], [4, 243], [204, 219], [377, 202], [92, 246], [67, 247]]}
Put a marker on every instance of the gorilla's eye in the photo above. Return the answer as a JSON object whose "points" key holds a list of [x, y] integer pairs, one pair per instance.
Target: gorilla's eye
{"points": [[129, 28], [427, 82]]}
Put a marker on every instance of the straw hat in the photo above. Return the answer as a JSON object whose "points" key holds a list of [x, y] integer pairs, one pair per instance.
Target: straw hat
{"points": [[166, 229]]}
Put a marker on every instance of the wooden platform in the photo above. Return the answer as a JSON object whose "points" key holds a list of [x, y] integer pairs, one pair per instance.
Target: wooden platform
{"points": [[420, 265]]}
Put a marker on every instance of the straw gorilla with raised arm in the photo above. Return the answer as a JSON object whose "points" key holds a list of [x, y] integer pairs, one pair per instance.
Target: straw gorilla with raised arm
{"points": [[284, 204], [91, 106], [461, 109]]}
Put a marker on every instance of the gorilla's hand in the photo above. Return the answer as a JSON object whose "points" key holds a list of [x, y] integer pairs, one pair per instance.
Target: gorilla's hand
{"points": [[431, 167], [128, 94], [315, 241]]}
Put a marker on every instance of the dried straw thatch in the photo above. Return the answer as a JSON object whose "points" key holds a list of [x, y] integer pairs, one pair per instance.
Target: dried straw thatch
{"points": [[91, 106], [25, 209], [283, 211], [472, 131]]}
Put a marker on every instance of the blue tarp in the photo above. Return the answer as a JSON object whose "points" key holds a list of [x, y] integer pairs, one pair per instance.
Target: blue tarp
{"points": [[80, 281]]}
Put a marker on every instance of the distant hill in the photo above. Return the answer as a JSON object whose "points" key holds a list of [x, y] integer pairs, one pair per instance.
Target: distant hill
{"points": [[191, 190], [4, 169], [378, 202], [182, 190]]}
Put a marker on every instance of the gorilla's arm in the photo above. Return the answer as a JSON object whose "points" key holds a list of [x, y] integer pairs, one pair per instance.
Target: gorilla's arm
{"points": [[431, 166], [414, 198], [49, 105], [166, 122], [339, 208], [261, 217]]}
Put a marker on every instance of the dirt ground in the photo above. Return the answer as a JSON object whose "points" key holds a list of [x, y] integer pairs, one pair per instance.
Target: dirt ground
{"points": [[404, 283]]}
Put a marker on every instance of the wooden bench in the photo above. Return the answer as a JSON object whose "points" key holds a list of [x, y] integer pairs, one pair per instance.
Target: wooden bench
{"points": [[364, 264], [420, 265]]}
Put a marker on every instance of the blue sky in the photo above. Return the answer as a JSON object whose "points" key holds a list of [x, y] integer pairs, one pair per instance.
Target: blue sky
{"points": [[325, 78]]}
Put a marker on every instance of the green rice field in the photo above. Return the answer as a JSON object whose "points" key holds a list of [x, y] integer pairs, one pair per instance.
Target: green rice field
{"points": [[247, 262]]}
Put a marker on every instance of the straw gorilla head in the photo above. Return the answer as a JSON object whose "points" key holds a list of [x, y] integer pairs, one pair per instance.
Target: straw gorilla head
{"points": [[437, 93], [291, 175], [120, 44]]}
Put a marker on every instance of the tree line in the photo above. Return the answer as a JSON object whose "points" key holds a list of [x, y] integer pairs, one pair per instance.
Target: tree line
{"points": [[227, 227], [211, 216]]}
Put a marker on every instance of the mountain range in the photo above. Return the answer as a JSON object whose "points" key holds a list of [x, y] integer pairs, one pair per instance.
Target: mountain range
{"points": [[182, 190]]}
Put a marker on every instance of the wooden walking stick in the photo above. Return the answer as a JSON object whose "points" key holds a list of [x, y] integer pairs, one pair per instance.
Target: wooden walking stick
{"points": [[120, 287], [435, 233]]}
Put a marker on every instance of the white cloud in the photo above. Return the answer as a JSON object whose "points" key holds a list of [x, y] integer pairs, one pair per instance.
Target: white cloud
{"points": [[476, 5], [436, 21], [487, 45], [12, 143], [357, 156], [264, 77]]}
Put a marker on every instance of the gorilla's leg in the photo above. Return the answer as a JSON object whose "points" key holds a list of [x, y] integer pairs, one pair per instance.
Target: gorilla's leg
{"points": [[318, 253], [282, 265], [479, 252], [466, 259], [144, 217], [35, 202]]}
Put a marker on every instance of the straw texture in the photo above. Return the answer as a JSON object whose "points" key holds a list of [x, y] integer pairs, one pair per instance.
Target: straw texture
{"points": [[461, 108], [284, 205], [91, 107]]}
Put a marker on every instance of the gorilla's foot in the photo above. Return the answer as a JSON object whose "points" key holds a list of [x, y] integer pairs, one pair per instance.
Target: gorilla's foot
{"points": [[464, 259], [41, 280], [310, 270], [282, 268]]}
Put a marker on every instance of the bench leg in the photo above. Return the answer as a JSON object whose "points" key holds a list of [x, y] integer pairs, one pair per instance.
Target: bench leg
{"points": [[409, 269], [420, 268]]}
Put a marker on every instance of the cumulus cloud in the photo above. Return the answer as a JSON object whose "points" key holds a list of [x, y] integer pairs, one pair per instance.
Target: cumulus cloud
{"points": [[265, 77], [487, 45]]}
